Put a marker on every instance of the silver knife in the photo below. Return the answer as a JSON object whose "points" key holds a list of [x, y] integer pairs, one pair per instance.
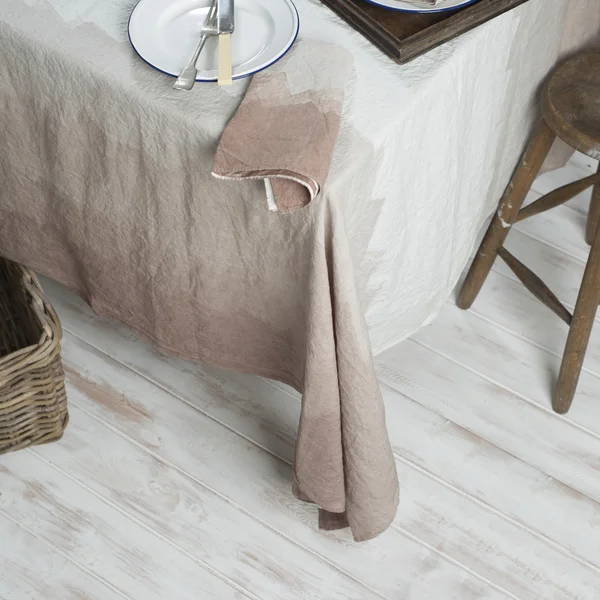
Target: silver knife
{"points": [[225, 20], [225, 27]]}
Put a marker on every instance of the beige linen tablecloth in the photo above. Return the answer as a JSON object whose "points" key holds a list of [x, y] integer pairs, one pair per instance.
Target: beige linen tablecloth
{"points": [[106, 187]]}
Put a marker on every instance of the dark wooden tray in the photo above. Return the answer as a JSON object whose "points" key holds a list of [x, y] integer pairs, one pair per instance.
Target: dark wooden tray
{"points": [[404, 36]]}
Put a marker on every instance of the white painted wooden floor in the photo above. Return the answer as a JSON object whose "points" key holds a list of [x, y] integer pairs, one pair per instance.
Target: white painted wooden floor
{"points": [[173, 480]]}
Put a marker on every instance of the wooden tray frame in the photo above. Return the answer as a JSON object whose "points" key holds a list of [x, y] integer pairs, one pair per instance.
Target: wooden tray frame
{"points": [[404, 36]]}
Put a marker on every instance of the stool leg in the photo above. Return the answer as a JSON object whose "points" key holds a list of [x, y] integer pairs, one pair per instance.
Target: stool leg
{"points": [[593, 215], [579, 333], [508, 209]]}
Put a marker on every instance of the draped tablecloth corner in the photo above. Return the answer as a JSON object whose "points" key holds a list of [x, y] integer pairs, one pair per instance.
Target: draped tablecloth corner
{"points": [[106, 187]]}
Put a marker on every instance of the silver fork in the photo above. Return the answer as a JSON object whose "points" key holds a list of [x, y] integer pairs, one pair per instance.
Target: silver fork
{"points": [[187, 77]]}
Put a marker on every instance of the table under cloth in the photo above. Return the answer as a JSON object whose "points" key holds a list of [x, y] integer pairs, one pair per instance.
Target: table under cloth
{"points": [[106, 187]]}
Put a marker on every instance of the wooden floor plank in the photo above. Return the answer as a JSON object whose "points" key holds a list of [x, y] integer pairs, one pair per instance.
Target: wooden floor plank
{"points": [[562, 227], [513, 558], [31, 569], [505, 302], [560, 271], [583, 162], [555, 179], [524, 367], [468, 462], [191, 516], [533, 434], [454, 540], [527, 370], [103, 540], [254, 480]]}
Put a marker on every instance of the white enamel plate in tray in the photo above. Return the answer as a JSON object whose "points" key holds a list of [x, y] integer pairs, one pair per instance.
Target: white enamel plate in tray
{"points": [[165, 33], [422, 8]]}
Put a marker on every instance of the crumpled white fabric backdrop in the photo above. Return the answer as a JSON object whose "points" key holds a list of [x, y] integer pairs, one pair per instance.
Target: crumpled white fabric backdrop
{"points": [[425, 149], [447, 130]]}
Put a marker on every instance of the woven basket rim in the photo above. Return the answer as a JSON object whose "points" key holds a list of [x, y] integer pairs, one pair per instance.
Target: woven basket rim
{"points": [[48, 322], [33, 400]]}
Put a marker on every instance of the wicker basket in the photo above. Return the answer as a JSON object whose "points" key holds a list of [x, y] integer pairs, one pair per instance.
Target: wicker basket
{"points": [[33, 403]]}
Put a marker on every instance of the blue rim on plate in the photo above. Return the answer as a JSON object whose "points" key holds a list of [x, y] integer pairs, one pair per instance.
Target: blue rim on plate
{"points": [[214, 79], [420, 10]]}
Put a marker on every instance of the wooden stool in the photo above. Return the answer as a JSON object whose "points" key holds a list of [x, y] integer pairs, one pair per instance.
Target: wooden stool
{"points": [[571, 111]]}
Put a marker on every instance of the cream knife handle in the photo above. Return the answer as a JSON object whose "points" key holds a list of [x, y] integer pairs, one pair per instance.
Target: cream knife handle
{"points": [[225, 68]]}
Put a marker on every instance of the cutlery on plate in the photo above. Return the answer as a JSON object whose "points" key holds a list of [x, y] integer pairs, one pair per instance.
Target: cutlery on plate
{"points": [[225, 27], [187, 77]]}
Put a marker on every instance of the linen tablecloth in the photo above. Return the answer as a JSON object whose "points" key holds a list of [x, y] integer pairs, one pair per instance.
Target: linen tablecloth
{"points": [[106, 187]]}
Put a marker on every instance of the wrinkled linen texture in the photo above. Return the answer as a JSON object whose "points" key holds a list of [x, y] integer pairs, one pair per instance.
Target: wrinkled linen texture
{"points": [[106, 187]]}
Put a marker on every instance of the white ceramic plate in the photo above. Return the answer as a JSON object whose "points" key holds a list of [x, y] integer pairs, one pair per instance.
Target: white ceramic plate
{"points": [[409, 7], [165, 33]]}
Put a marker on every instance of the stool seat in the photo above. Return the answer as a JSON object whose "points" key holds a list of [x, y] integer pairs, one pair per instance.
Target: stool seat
{"points": [[572, 103]]}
